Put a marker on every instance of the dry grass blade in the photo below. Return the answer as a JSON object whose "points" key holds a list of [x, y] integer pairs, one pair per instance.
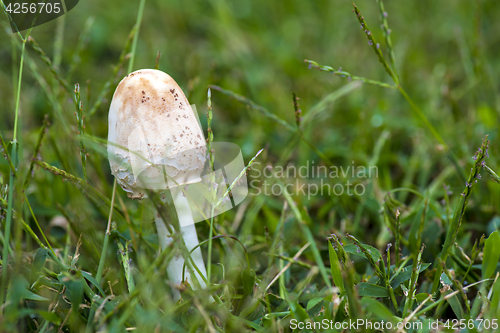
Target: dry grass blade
{"points": [[295, 257]]}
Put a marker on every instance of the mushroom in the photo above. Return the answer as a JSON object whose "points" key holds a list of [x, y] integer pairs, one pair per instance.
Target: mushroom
{"points": [[153, 133]]}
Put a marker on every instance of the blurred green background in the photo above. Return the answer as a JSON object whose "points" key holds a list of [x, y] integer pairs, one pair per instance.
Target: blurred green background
{"points": [[447, 59], [445, 54]]}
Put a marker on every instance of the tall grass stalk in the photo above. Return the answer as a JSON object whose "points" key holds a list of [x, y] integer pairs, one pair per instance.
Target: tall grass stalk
{"points": [[492, 174], [13, 157], [136, 35], [277, 283], [387, 36], [296, 131], [102, 259], [129, 70], [210, 138], [393, 74]]}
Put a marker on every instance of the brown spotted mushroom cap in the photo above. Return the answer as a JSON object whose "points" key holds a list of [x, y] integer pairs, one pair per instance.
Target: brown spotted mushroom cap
{"points": [[151, 127]]}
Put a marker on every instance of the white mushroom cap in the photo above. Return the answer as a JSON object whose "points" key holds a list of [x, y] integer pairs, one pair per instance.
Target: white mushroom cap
{"points": [[151, 127]]}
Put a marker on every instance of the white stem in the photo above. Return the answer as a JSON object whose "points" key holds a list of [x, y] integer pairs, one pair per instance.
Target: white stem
{"points": [[188, 230]]}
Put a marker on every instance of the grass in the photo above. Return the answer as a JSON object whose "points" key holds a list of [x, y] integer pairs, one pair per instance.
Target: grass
{"points": [[415, 95]]}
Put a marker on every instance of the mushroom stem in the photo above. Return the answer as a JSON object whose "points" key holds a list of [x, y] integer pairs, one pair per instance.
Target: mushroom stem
{"points": [[190, 237]]}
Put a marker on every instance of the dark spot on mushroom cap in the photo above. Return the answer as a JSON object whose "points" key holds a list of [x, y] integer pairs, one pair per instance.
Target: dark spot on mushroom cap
{"points": [[157, 102]]}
